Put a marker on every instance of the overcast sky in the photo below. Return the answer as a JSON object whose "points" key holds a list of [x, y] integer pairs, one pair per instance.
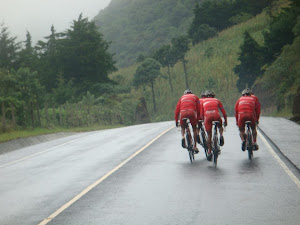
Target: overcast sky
{"points": [[37, 16]]}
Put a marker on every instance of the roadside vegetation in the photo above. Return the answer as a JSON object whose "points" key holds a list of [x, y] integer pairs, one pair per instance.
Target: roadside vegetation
{"points": [[70, 81], [24, 133]]}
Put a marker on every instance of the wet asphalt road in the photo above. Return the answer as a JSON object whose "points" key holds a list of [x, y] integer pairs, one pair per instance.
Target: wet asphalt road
{"points": [[158, 186]]}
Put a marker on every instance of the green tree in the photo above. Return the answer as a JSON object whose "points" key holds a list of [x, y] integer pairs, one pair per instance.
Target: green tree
{"points": [[140, 58], [252, 7], [32, 92], [198, 30], [146, 74], [251, 62], [180, 48], [8, 49], [215, 13], [7, 94], [28, 57], [166, 58], [64, 91], [85, 55], [50, 63], [280, 32], [202, 33]]}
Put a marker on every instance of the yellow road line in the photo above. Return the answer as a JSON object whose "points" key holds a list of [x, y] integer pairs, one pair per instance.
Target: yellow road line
{"points": [[68, 204], [281, 163]]}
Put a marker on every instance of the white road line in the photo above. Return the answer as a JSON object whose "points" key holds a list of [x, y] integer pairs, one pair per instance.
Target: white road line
{"points": [[68, 204], [281, 163], [47, 150]]}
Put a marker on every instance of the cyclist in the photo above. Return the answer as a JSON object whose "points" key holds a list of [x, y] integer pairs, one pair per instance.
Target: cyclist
{"points": [[247, 109], [210, 111], [188, 106]]}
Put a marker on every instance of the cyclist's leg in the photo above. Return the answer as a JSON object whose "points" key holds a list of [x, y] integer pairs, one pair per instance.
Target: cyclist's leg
{"points": [[241, 125], [195, 138], [209, 135], [254, 133], [218, 118], [182, 125], [208, 127], [193, 120], [198, 132]]}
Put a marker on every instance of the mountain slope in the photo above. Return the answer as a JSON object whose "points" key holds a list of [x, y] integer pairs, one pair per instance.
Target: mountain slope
{"points": [[137, 27], [209, 66]]}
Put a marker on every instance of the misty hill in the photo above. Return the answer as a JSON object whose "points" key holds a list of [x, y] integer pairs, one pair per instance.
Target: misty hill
{"points": [[139, 26]]}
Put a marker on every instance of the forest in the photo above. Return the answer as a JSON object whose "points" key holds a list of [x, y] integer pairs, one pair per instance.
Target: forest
{"points": [[76, 78]]}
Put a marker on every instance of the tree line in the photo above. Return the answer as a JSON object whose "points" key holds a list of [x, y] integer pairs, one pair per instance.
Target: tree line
{"points": [[61, 73], [213, 16]]}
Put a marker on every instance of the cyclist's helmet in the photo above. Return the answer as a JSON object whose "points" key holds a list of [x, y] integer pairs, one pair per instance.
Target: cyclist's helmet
{"points": [[206, 93], [210, 94], [187, 91], [247, 91], [203, 95]]}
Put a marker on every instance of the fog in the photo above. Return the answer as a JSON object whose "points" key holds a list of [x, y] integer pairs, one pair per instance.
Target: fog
{"points": [[37, 16]]}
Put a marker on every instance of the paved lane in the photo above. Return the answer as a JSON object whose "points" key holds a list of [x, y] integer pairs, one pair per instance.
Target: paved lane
{"points": [[158, 186], [56, 171]]}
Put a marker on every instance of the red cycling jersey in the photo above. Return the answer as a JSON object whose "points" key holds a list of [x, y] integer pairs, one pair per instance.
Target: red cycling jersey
{"points": [[245, 110], [257, 107], [210, 111], [189, 107]]}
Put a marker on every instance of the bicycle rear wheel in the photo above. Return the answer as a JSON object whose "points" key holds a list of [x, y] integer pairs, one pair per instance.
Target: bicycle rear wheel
{"points": [[205, 147], [250, 145], [215, 151], [191, 155], [189, 146]]}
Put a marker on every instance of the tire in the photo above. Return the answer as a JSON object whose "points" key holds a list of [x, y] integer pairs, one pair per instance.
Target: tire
{"points": [[204, 143], [215, 152], [188, 140], [189, 146], [250, 146], [191, 155]]}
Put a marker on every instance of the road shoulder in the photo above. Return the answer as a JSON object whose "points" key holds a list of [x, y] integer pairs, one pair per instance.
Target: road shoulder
{"points": [[285, 135]]}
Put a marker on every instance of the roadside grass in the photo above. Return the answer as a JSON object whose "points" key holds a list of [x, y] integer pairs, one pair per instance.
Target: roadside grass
{"points": [[285, 113], [23, 133]]}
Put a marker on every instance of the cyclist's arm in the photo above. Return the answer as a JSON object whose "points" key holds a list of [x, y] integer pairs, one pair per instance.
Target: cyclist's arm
{"points": [[257, 109], [177, 110], [236, 110], [223, 111]]}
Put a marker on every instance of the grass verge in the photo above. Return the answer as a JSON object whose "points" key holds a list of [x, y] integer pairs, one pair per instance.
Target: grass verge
{"points": [[23, 133]]}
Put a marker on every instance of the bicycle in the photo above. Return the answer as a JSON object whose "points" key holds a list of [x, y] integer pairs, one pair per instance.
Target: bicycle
{"points": [[249, 140], [203, 137], [189, 140], [215, 141]]}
